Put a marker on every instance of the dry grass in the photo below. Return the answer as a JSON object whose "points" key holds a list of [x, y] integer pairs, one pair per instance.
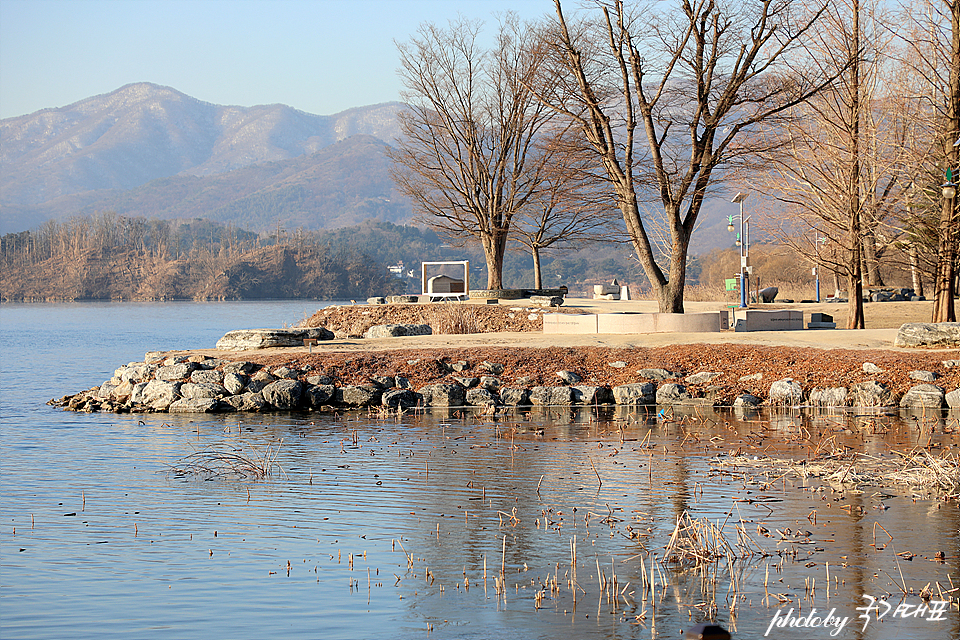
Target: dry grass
{"points": [[919, 470], [454, 318], [697, 541], [219, 461]]}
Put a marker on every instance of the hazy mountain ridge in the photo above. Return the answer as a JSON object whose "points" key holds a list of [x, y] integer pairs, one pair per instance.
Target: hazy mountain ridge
{"points": [[143, 132]]}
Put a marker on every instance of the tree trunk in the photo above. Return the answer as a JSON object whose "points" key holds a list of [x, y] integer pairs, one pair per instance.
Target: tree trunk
{"points": [[494, 246], [537, 274], [870, 260], [855, 240], [915, 274], [944, 284]]}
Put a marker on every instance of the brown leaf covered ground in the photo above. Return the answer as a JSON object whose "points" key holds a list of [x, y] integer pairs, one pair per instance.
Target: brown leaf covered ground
{"points": [[810, 367], [351, 321]]}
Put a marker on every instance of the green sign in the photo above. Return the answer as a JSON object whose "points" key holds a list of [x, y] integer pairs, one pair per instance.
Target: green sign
{"points": [[731, 284]]}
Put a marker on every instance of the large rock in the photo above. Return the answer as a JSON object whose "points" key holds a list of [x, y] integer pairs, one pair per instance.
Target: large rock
{"points": [[871, 394], [209, 376], [830, 397], [746, 400], [245, 339], [444, 395], [176, 371], [657, 374], [636, 393], [234, 382], [514, 397], [953, 399], [548, 396], [402, 399], [351, 395], [928, 396], [671, 393], [136, 372], [703, 377], [194, 405], [157, 394], [785, 392], [246, 402], [195, 390], [481, 397], [317, 395], [283, 394], [586, 394], [396, 330], [928, 334], [240, 367]]}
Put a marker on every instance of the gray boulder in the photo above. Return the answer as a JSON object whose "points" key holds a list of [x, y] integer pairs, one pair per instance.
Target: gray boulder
{"points": [[480, 397], [569, 377], [194, 390], [357, 395], [492, 368], [158, 394], [210, 376], [871, 394], [239, 367], [490, 383], [246, 339], [234, 382], [751, 377], [950, 364], [285, 373], [953, 399], [467, 382], [547, 396], [657, 374], [869, 367], [591, 395], [176, 371], [636, 393], [402, 399], [746, 400], [444, 395], [317, 395], [546, 301], [923, 376], [194, 405], [319, 379], [703, 377], [246, 402], [928, 334], [397, 330], [513, 397], [769, 294], [785, 392], [283, 394], [671, 393], [830, 397], [924, 396]]}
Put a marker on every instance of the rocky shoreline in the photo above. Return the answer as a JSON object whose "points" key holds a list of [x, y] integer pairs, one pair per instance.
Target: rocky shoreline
{"points": [[491, 379]]}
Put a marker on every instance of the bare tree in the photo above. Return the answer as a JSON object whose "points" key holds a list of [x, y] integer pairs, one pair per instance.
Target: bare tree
{"points": [[571, 208], [931, 37], [467, 154], [663, 100], [841, 169]]}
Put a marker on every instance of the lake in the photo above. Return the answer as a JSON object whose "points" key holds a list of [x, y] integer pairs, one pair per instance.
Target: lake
{"points": [[540, 524]]}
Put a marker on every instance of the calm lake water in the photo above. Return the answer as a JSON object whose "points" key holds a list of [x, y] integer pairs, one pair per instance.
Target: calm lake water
{"points": [[401, 527]]}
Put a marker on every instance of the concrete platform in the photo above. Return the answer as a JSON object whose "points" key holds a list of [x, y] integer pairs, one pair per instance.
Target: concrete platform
{"points": [[616, 323]]}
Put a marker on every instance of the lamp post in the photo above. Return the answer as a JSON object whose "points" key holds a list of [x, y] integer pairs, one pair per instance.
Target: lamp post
{"points": [[743, 241], [943, 306]]}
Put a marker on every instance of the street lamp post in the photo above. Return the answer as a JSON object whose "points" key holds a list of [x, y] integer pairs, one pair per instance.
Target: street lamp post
{"points": [[743, 241]]}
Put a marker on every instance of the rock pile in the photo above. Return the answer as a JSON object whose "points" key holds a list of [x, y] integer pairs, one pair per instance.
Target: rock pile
{"points": [[201, 384]]}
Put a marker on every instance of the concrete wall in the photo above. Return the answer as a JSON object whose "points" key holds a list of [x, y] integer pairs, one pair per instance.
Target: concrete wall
{"points": [[780, 320], [709, 322]]}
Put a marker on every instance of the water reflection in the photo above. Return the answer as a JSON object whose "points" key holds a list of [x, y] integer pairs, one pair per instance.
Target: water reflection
{"points": [[408, 523]]}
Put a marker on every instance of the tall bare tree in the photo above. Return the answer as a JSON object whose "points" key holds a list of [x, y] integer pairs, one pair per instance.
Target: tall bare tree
{"points": [[571, 208], [467, 156], [664, 98], [931, 37]]}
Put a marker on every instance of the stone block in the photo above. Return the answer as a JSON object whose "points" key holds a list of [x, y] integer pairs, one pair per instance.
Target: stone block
{"points": [[780, 320]]}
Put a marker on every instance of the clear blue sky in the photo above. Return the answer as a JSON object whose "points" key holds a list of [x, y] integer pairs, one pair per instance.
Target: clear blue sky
{"points": [[320, 56]]}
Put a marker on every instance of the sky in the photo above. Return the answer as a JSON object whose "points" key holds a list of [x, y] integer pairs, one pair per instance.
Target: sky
{"points": [[319, 56]]}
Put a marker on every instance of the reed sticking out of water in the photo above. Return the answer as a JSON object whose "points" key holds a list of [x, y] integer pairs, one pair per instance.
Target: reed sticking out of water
{"points": [[220, 461]]}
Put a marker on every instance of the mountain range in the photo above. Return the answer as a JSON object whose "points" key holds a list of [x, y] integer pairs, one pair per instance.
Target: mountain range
{"points": [[150, 150]]}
